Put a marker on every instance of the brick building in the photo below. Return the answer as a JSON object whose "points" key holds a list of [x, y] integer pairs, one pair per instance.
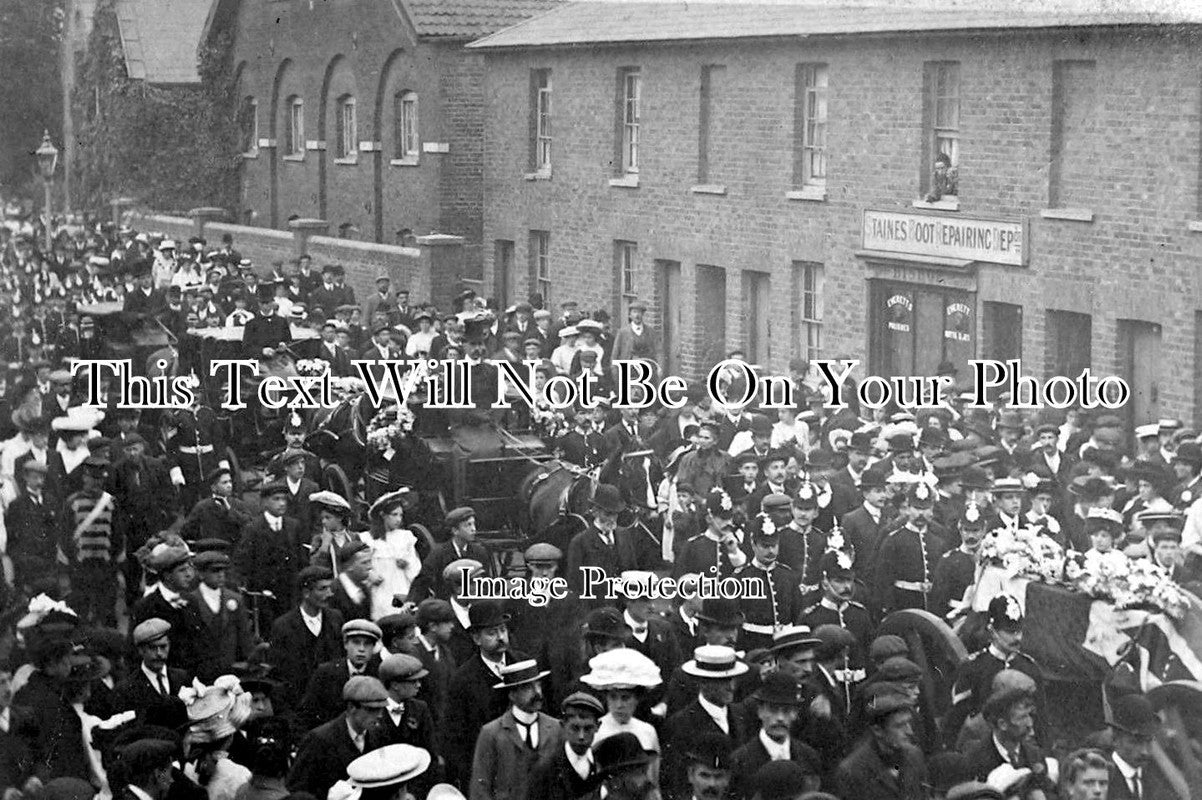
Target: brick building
{"points": [[364, 113], [765, 177]]}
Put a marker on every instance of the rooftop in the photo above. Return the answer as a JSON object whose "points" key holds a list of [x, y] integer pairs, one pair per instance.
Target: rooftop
{"points": [[160, 38], [471, 19], [592, 22]]}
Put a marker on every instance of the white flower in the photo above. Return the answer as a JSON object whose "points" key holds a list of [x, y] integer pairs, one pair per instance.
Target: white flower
{"points": [[767, 526]]}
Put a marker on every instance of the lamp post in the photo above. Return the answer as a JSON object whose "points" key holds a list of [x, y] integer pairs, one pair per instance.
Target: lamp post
{"points": [[47, 155]]}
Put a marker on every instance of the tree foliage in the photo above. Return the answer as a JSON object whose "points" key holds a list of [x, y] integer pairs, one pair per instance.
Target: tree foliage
{"points": [[170, 147], [30, 91]]}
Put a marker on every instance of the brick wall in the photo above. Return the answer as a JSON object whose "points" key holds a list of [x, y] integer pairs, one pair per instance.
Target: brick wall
{"points": [[362, 48], [1136, 170]]}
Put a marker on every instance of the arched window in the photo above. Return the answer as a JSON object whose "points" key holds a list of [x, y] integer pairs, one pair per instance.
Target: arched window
{"points": [[407, 140], [348, 146], [296, 127]]}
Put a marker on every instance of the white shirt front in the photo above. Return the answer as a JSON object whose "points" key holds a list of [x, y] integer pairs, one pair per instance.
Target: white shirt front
{"points": [[212, 597], [719, 714], [777, 751], [313, 623], [527, 726], [582, 765], [156, 677]]}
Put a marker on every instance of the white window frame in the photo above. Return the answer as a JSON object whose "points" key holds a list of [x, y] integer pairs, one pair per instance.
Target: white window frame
{"points": [[632, 101], [408, 140], [296, 129], [542, 123], [540, 242], [814, 106], [945, 111], [348, 131], [811, 285]]}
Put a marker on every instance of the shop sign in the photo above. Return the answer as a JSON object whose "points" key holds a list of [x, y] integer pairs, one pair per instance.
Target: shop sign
{"points": [[958, 237]]}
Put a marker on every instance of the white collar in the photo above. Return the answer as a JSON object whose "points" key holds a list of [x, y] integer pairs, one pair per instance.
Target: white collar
{"points": [[356, 737], [639, 629], [719, 713], [826, 602], [1126, 770], [461, 613], [293, 486], [273, 522], [306, 615], [524, 717], [777, 751], [6, 720], [212, 597], [174, 598], [395, 709], [581, 764], [154, 676]]}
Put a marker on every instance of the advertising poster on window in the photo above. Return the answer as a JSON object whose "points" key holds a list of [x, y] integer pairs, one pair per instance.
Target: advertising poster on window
{"points": [[898, 315], [959, 329]]}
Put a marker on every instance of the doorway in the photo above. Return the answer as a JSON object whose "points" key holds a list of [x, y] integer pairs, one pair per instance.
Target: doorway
{"points": [[670, 307], [1139, 362]]}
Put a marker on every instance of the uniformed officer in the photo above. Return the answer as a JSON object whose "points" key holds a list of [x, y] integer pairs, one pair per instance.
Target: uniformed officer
{"points": [[718, 550], [974, 679], [907, 558], [957, 568], [196, 449], [836, 607], [801, 543], [774, 605]]}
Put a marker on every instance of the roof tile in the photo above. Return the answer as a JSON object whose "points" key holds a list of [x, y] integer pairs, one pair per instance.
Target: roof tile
{"points": [[470, 19]]}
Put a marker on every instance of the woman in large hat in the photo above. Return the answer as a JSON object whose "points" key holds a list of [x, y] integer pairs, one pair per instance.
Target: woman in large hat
{"points": [[624, 676], [394, 550], [215, 714]]}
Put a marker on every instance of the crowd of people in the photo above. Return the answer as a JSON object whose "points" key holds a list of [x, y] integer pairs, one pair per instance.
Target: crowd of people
{"points": [[167, 637]]}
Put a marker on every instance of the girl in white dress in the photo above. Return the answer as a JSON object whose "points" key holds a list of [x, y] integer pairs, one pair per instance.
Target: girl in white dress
{"points": [[394, 551]]}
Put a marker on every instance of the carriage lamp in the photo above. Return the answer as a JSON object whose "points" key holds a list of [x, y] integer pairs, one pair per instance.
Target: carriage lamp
{"points": [[47, 155]]}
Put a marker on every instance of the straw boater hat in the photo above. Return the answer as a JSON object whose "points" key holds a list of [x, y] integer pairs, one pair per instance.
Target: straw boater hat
{"points": [[520, 674], [714, 661]]}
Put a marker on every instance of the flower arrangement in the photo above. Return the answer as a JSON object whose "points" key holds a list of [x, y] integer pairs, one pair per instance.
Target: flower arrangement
{"points": [[1126, 582], [346, 388], [389, 427], [547, 422], [312, 367], [1023, 553]]}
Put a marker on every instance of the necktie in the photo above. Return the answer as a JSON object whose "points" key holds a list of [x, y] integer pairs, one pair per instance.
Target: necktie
{"points": [[163, 690], [1137, 787], [527, 734]]}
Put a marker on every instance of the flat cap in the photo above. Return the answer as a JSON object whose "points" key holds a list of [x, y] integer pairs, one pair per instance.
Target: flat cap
{"points": [[364, 690], [361, 627], [582, 701], [542, 553], [456, 567], [211, 560], [897, 669], [401, 667], [146, 755], [434, 610], [457, 516], [312, 574], [151, 630], [392, 625]]}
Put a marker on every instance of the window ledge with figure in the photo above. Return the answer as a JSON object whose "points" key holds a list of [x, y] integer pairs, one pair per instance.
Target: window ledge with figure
{"points": [[946, 203]]}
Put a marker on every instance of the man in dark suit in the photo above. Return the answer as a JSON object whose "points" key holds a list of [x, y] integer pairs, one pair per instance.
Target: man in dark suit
{"points": [[569, 773], [221, 515], [145, 299], [269, 554], [328, 349], [32, 525], [267, 330], [323, 695], [1011, 741], [606, 546], [650, 634], [169, 601], [224, 615], [149, 766], [152, 687], [328, 749], [1133, 773], [408, 720], [778, 705], [434, 622], [332, 292], [864, 528], [295, 464], [712, 712], [309, 634], [462, 524], [472, 699], [885, 765]]}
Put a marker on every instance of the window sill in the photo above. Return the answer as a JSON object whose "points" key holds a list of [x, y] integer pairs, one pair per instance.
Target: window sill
{"points": [[709, 188], [1068, 214], [346, 162], [403, 162], [542, 175], [942, 204], [297, 157], [1195, 226], [813, 194], [625, 182], [251, 154]]}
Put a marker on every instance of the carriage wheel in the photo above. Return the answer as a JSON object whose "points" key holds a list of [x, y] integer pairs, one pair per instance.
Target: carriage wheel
{"points": [[235, 471], [933, 646], [336, 481]]}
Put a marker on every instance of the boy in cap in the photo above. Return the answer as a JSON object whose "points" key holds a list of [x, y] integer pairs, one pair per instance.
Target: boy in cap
{"points": [[321, 700], [887, 754], [406, 719], [329, 749], [355, 582], [510, 746], [571, 772], [435, 622], [461, 523], [224, 614]]}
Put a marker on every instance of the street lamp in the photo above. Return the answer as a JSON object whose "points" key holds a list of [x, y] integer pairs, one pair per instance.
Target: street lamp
{"points": [[47, 155]]}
